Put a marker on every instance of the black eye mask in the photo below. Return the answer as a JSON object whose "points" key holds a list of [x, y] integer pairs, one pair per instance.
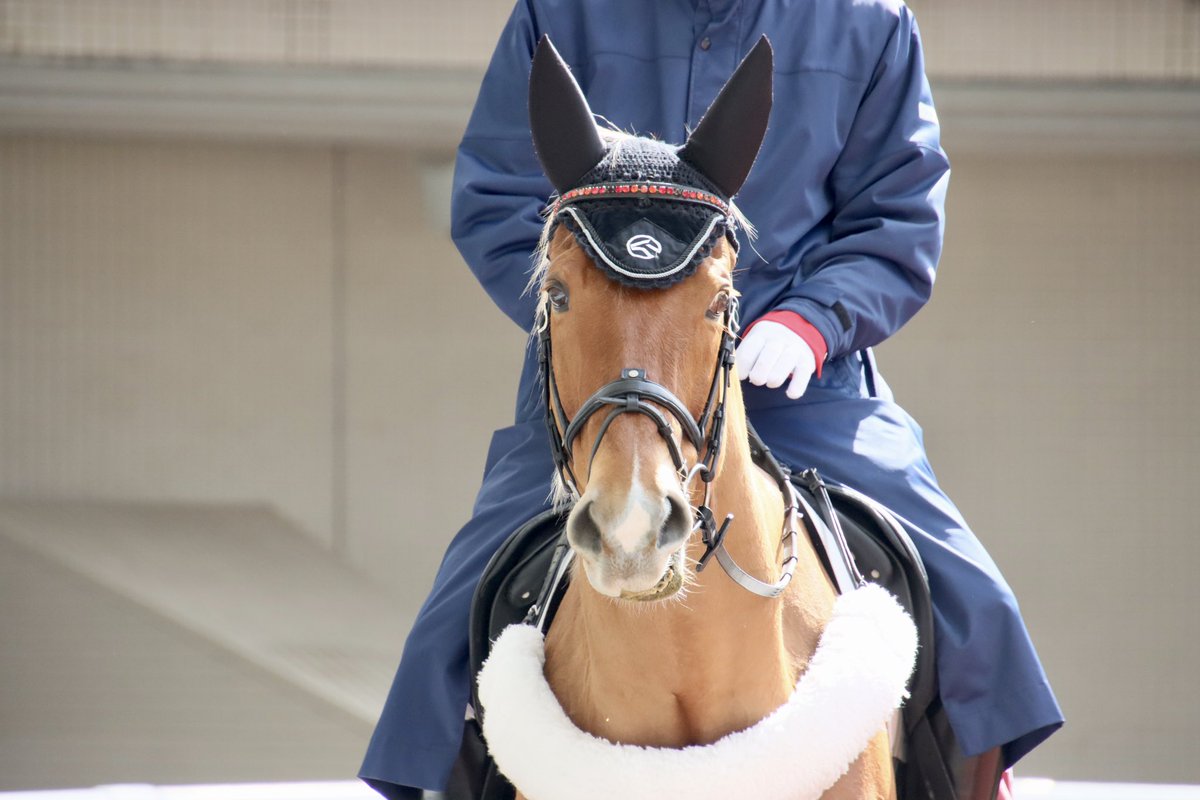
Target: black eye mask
{"points": [[644, 216]]}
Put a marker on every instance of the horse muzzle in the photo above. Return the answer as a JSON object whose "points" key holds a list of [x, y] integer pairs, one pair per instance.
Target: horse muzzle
{"points": [[631, 547]]}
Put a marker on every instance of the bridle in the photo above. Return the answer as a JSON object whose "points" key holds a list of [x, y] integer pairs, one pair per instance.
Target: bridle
{"points": [[633, 392]]}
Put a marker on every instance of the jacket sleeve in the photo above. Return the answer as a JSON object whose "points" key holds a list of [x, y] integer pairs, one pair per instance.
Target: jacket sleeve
{"points": [[499, 190], [889, 190]]}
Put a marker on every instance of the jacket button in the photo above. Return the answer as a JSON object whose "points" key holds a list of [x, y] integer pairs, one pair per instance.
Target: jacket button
{"points": [[705, 43]]}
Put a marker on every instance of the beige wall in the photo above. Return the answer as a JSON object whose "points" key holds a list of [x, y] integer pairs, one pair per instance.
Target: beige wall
{"points": [[431, 371], [1108, 39], [167, 324], [223, 322], [1061, 39], [240, 323]]}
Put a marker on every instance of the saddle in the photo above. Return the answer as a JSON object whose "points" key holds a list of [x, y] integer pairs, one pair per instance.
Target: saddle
{"points": [[526, 579]]}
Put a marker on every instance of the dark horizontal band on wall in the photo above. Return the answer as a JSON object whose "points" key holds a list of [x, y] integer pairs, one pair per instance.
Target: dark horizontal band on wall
{"points": [[428, 107]]}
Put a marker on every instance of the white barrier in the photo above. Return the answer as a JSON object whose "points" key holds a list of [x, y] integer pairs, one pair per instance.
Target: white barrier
{"points": [[1046, 789], [1026, 789], [313, 790]]}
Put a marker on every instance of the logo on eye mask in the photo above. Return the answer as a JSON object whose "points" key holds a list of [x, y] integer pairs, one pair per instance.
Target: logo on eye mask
{"points": [[643, 246]]}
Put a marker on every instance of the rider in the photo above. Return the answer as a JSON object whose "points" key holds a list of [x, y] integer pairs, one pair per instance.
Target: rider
{"points": [[847, 195]]}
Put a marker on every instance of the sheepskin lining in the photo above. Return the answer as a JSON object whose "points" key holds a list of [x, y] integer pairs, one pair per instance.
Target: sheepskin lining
{"points": [[854, 682]]}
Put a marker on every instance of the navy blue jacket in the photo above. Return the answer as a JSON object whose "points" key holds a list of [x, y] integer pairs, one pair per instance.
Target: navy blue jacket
{"points": [[848, 190]]}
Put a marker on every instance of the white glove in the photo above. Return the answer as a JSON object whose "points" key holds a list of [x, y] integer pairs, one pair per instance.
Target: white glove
{"points": [[770, 353]]}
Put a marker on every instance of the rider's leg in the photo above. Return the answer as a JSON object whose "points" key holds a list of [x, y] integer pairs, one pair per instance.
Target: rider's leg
{"points": [[981, 775]]}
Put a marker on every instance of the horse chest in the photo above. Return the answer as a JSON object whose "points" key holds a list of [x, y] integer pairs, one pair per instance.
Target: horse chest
{"points": [[647, 683]]}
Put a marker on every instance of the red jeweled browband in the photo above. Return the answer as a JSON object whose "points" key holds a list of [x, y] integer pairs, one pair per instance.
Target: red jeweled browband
{"points": [[666, 191]]}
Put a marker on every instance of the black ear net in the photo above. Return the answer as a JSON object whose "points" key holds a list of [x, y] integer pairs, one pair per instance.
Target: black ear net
{"points": [[564, 132], [726, 142], [723, 146]]}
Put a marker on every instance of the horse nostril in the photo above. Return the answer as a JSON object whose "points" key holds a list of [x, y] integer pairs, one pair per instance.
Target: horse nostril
{"points": [[582, 531], [677, 525]]}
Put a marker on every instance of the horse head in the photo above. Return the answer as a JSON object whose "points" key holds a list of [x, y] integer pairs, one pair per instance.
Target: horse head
{"points": [[637, 317]]}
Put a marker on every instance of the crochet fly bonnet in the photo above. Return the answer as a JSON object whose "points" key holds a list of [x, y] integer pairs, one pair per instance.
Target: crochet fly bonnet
{"points": [[646, 212]]}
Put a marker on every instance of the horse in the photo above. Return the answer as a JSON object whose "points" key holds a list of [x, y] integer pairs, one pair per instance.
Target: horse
{"points": [[653, 655]]}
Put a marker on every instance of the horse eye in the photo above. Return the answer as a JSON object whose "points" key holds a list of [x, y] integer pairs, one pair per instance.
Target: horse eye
{"points": [[557, 294], [719, 306]]}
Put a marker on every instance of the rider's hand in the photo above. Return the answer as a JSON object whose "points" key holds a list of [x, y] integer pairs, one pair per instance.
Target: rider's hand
{"points": [[771, 353]]}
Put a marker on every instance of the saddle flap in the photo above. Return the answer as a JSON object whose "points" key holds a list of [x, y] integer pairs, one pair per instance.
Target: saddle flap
{"points": [[511, 583]]}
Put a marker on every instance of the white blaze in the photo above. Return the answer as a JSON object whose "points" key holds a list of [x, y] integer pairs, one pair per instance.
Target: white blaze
{"points": [[629, 532]]}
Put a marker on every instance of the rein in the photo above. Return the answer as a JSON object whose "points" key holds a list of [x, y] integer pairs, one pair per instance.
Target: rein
{"points": [[634, 392]]}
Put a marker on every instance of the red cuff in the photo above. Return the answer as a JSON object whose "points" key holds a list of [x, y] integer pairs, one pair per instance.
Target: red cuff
{"points": [[802, 328]]}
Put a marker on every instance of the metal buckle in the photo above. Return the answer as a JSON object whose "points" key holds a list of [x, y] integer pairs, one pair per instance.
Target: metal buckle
{"points": [[712, 536]]}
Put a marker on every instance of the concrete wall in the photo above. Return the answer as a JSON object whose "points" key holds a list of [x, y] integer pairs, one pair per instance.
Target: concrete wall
{"points": [[239, 323], [96, 689]]}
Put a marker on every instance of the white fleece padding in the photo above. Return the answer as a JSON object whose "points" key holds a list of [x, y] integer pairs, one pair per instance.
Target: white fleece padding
{"points": [[854, 682]]}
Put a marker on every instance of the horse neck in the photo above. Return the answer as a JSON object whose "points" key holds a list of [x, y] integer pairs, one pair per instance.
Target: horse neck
{"points": [[688, 671], [742, 489]]}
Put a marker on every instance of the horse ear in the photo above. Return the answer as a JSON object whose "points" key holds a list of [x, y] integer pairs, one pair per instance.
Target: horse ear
{"points": [[564, 132], [725, 143]]}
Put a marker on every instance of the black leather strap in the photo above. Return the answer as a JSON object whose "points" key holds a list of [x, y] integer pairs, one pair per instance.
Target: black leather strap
{"points": [[633, 392], [829, 530]]}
